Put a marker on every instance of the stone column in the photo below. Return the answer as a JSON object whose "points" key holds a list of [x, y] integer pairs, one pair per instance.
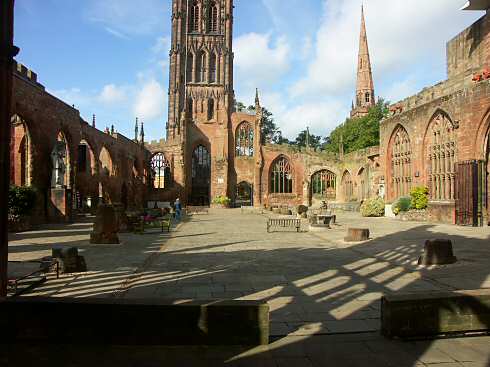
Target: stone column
{"points": [[7, 53]]}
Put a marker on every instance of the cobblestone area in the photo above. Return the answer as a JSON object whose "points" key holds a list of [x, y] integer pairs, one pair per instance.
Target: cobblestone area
{"points": [[323, 293]]}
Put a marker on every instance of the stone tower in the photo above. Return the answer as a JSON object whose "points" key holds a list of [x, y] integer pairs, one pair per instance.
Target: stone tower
{"points": [[201, 96], [365, 97]]}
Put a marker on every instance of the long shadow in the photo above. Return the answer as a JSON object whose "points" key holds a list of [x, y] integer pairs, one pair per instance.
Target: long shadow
{"points": [[65, 233], [324, 300]]}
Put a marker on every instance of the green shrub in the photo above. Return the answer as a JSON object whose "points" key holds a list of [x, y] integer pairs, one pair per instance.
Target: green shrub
{"points": [[403, 204], [420, 197], [373, 208], [22, 200], [222, 200]]}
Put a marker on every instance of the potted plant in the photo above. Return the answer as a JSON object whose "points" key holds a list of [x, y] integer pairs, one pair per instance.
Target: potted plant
{"points": [[221, 202]]}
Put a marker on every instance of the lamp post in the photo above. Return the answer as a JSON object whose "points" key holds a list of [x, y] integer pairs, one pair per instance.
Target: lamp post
{"points": [[7, 53]]}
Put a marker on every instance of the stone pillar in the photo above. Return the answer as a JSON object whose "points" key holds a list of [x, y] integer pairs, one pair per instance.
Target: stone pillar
{"points": [[7, 53]]}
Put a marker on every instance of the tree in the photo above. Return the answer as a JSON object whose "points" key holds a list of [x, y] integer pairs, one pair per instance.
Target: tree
{"points": [[358, 133], [314, 140]]}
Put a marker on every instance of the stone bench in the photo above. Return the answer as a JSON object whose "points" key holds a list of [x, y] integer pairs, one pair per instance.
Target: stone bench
{"points": [[425, 314], [133, 322]]}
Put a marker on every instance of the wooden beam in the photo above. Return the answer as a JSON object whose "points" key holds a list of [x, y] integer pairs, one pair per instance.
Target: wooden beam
{"points": [[7, 53]]}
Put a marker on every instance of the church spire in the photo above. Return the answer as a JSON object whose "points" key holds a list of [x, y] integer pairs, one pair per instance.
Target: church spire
{"points": [[365, 85]]}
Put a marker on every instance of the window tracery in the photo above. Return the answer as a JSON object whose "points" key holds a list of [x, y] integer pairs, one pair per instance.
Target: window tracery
{"points": [[281, 177]]}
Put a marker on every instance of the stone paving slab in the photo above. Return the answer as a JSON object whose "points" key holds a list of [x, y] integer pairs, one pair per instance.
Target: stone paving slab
{"points": [[316, 284]]}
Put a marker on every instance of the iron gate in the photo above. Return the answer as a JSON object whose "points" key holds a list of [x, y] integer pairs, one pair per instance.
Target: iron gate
{"points": [[471, 193]]}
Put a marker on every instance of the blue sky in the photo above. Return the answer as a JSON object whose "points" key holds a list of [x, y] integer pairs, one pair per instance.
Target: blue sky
{"points": [[110, 57]]}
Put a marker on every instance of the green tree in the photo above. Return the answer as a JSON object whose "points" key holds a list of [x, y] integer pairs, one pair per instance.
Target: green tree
{"points": [[358, 133], [314, 140]]}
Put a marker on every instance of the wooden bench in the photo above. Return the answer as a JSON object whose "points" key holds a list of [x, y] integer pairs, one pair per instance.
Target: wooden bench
{"points": [[284, 223], [197, 210], [162, 222]]}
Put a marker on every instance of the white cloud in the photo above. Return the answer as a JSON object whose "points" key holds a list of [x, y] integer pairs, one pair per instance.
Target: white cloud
{"points": [[123, 18], [400, 34], [259, 61], [162, 45], [150, 101], [112, 94]]}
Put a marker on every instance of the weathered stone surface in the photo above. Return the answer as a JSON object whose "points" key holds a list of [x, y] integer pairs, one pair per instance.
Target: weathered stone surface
{"points": [[69, 260], [105, 227], [357, 235], [431, 313], [134, 322], [437, 252]]}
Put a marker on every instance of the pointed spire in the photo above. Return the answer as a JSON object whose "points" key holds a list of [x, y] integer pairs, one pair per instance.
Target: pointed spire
{"points": [[142, 134], [112, 130], [136, 128], [257, 99], [93, 120], [365, 85]]}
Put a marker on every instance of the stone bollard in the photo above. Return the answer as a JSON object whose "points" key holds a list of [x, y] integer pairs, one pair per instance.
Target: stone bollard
{"points": [[437, 252], [357, 235], [105, 227], [69, 260]]}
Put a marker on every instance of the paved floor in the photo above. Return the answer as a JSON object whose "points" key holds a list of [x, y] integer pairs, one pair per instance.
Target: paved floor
{"points": [[323, 293]]}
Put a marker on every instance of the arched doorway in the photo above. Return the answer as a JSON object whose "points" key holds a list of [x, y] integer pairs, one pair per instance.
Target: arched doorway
{"points": [[323, 186], [244, 194], [21, 153], [363, 184], [60, 159], [201, 176], [347, 187]]}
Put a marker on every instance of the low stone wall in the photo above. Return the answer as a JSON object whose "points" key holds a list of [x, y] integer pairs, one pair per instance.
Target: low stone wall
{"points": [[347, 207], [133, 322], [434, 313], [442, 211], [413, 216]]}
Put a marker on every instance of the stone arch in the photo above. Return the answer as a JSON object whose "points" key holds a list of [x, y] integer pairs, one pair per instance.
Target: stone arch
{"points": [[106, 162], [244, 194], [201, 175], [21, 152], [440, 156], [244, 140], [161, 171], [323, 185], [347, 185], [61, 162], [363, 181], [86, 162], [482, 136], [281, 176], [399, 163]]}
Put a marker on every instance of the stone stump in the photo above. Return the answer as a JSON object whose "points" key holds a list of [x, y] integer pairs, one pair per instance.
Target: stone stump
{"points": [[437, 252], [357, 235], [105, 227], [69, 260]]}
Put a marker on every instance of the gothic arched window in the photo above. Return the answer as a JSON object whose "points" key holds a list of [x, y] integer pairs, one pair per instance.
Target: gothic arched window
{"points": [[367, 97], [323, 184], [244, 140], [281, 177], [190, 68], [441, 158], [195, 17], [201, 67], [213, 17], [161, 174], [212, 68], [401, 163], [210, 109], [347, 186]]}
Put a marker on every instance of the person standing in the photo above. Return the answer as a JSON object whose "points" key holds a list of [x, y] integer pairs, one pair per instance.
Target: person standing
{"points": [[178, 209]]}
